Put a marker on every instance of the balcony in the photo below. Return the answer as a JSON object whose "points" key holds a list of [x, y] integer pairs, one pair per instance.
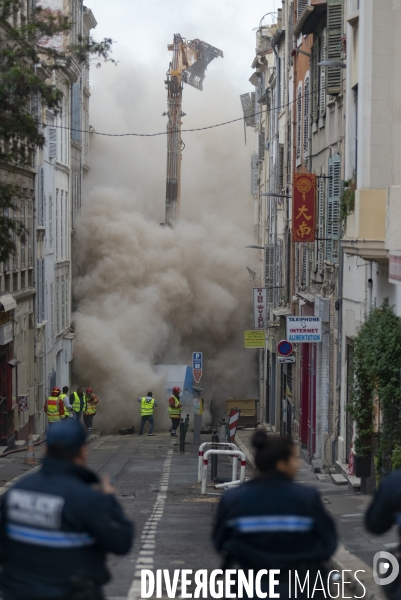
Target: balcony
{"points": [[366, 227]]}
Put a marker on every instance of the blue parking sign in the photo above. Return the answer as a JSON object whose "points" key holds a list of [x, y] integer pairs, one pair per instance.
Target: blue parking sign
{"points": [[197, 361]]}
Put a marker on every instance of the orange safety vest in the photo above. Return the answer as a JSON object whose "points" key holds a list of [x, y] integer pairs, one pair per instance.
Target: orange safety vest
{"points": [[91, 402], [53, 411]]}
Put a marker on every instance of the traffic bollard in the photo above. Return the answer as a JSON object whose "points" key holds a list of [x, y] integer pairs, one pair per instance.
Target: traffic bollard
{"points": [[182, 436], [186, 423], [222, 431], [213, 462]]}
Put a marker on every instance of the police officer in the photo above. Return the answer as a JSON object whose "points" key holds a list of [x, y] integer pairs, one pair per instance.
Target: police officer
{"points": [[147, 405], [58, 524], [78, 402], [272, 522], [382, 514]]}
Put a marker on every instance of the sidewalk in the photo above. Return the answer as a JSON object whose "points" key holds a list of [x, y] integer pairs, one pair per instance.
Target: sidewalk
{"points": [[357, 546]]}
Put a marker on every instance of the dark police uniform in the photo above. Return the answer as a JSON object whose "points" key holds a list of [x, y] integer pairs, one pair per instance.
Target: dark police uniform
{"points": [[56, 529], [274, 523]]}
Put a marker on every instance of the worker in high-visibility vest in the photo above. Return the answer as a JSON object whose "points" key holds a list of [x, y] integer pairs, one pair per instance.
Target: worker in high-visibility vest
{"points": [[78, 402], [91, 401], [174, 409], [54, 407], [147, 406], [66, 399]]}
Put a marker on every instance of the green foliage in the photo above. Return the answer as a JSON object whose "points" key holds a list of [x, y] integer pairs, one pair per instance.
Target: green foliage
{"points": [[27, 84], [377, 360], [396, 457], [347, 206]]}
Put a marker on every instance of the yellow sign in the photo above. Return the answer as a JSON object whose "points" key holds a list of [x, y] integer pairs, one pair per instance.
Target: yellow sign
{"points": [[255, 339]]}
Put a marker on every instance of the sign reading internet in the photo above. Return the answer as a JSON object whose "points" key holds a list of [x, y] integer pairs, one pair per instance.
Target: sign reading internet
{"points": [[304, 330]]}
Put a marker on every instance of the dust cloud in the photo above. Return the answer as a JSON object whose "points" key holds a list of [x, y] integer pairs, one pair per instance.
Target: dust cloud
{"points": [[146, 295]]}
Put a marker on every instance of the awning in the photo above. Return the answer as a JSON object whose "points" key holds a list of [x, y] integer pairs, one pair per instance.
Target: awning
{"points": [[282, 312], [7, 303]]}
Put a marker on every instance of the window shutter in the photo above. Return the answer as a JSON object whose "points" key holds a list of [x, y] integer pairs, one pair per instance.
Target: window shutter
{"points": [[322, 91], [269, 272], [290, 30], [279, 259], [333, 209], [319, 244], [315, 79], [301, 5], [52, 142], [262, 143], [299, 122], [306, 116], [289, 153], [254, 174], [297, 264], [40, 197], [281, 166], [75, 112], [334, 33]]}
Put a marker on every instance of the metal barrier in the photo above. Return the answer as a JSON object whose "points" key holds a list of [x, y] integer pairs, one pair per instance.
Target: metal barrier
{"points": [[216, 444], [233, 453]]}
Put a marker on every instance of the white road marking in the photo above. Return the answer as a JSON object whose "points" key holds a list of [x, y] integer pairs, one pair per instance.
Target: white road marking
{"points": [[148, 545]]}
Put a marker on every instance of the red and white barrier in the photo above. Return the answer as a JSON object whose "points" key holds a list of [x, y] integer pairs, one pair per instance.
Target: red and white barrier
{"points": [[233, 422], [236, 453]]}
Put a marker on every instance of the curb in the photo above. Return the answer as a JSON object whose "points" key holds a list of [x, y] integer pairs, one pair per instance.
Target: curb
{"points": [[8, 484]]}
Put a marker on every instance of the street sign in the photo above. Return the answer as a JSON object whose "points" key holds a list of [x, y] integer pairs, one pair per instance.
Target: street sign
{"points": [[255, 339], [285, 359], [284, 348], [197, 366], [304, 330]]}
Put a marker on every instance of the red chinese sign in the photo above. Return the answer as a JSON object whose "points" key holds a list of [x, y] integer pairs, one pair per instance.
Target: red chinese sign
{"points": [[303, 207]]}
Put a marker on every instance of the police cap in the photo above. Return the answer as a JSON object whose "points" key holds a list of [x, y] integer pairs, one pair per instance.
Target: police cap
{"points": [[67, 434]]}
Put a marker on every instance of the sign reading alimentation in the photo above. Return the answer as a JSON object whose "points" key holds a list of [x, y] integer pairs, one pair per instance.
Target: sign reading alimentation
{"points": [[304, 330]]}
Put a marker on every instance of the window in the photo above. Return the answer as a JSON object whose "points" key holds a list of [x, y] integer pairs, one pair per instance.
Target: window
{"points": [[254, 174], [57, 223], [76, 112], [58, 320], [335, 18], [306, 116], [63, 320], [51, 220], [40, 282], [279, 259], [52, 314], [262, 144], [52, 142], [299, 123], [62, 224], [333, 224]]}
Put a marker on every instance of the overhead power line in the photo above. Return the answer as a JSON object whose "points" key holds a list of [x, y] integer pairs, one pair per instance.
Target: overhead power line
{"points": [[278, 108]]}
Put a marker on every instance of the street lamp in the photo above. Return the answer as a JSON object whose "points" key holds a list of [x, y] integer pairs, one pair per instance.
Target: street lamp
{"points": [[338, 64]]}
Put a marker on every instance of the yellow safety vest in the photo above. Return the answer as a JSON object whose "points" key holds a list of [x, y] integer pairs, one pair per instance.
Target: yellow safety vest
{"points": [[76, 405], [53, 413], [91, 405], [174, 412], [147, 407], [66, 411]]}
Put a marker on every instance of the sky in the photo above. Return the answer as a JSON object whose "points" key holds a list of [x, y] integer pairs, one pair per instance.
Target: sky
{"points": [[143, 29]]}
